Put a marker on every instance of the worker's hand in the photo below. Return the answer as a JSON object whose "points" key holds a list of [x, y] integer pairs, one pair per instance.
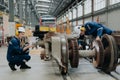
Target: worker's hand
{"points": [[34, 45], [27, 47], [31, 46], [80, 47], [98, 38]]}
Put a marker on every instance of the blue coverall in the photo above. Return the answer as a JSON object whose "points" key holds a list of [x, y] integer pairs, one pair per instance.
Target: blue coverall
{"points": [[96, 29], [15, 54]]}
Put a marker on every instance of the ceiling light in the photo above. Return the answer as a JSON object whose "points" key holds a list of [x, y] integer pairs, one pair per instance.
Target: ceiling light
{"points": [[42, 6], [45, 0]]}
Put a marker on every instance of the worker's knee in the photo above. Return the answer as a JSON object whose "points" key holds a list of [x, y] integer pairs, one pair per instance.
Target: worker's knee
{"points": [[19, 58], [27, 57]]}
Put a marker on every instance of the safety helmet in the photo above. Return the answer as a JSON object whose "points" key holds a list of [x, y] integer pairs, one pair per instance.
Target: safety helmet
{"points": [[77, 29], [16, 32], [82, 28], [21, 29]]}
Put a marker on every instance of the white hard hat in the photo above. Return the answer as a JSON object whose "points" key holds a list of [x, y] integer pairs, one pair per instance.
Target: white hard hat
{"points": [[21, 29], [77, 29]]}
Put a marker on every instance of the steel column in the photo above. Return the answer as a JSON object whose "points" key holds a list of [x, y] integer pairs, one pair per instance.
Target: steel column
{"points": [[92, 2], [107, 4], [21, 11], [26, 11], [11, 10], [83, 9], [29, 15], [72, 17], [32, 19], [77, 16]]}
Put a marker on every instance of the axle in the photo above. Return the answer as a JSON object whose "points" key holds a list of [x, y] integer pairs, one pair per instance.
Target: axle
{"points": [[87, 53]]}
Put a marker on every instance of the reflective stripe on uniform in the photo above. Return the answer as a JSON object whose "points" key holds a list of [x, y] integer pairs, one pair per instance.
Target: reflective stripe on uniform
{"points": [[10, 42], [88, 27], [99, 28]]}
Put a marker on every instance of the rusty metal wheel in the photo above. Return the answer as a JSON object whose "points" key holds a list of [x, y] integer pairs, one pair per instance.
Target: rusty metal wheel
{"points": [[73, 52], [110, 52], [64, 56], [99, 56]]}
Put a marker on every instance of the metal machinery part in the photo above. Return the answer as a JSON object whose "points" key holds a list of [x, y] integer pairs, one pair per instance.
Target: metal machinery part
{"points": [[104, 52], [96, 53], [110, 53], [99, 55], [47, 50], [73, 52], [116, 36], [56, 49], [60, 53], [64, 55]]}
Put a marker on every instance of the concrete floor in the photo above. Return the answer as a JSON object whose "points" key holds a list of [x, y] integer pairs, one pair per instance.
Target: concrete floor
{"points": [[41, 70], [86, 71]]}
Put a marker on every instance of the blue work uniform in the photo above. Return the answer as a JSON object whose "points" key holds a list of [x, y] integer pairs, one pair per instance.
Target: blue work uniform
{"points": [[96, 29], [15, 54], [81, 41]]}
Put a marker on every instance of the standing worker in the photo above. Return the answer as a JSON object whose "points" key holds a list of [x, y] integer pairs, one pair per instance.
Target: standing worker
{"points": [[95, 29], [15, 54]]}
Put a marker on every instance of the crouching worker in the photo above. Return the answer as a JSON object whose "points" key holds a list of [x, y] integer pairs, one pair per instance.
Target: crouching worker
{"points": [[15, 54], [81, 38]]}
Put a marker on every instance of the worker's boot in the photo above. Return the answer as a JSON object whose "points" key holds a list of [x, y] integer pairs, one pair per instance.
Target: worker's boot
{"points": [[12, 67], [24, 66]]}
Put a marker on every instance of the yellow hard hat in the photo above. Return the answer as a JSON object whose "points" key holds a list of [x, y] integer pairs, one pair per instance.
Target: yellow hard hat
{"points": [[82, 29], [20, 29], [16, 32]]}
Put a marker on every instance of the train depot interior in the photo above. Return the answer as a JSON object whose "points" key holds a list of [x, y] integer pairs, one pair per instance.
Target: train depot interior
{"points": [[59, 39]]}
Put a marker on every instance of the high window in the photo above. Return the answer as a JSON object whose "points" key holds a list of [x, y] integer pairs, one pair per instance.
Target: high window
{"points": [[99, 4]]}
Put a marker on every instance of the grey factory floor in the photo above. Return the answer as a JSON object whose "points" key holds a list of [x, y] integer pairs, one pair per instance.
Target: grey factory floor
{"points": [[41, 70]]}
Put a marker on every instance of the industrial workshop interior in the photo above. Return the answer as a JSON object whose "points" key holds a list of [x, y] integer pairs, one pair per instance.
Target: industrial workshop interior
{"points": [[59, 39]]}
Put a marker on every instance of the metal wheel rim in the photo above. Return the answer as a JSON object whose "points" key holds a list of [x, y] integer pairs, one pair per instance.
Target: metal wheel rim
{"points": [[73, 53], [110, 64], [99, 56]]}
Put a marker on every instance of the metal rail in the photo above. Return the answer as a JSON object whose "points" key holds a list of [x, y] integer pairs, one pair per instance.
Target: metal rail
{"points": [[113, 76]]}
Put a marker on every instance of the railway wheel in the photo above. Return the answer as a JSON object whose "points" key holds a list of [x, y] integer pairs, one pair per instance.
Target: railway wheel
{"points": [[98, 59], [73, 52], [110, 52]]}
